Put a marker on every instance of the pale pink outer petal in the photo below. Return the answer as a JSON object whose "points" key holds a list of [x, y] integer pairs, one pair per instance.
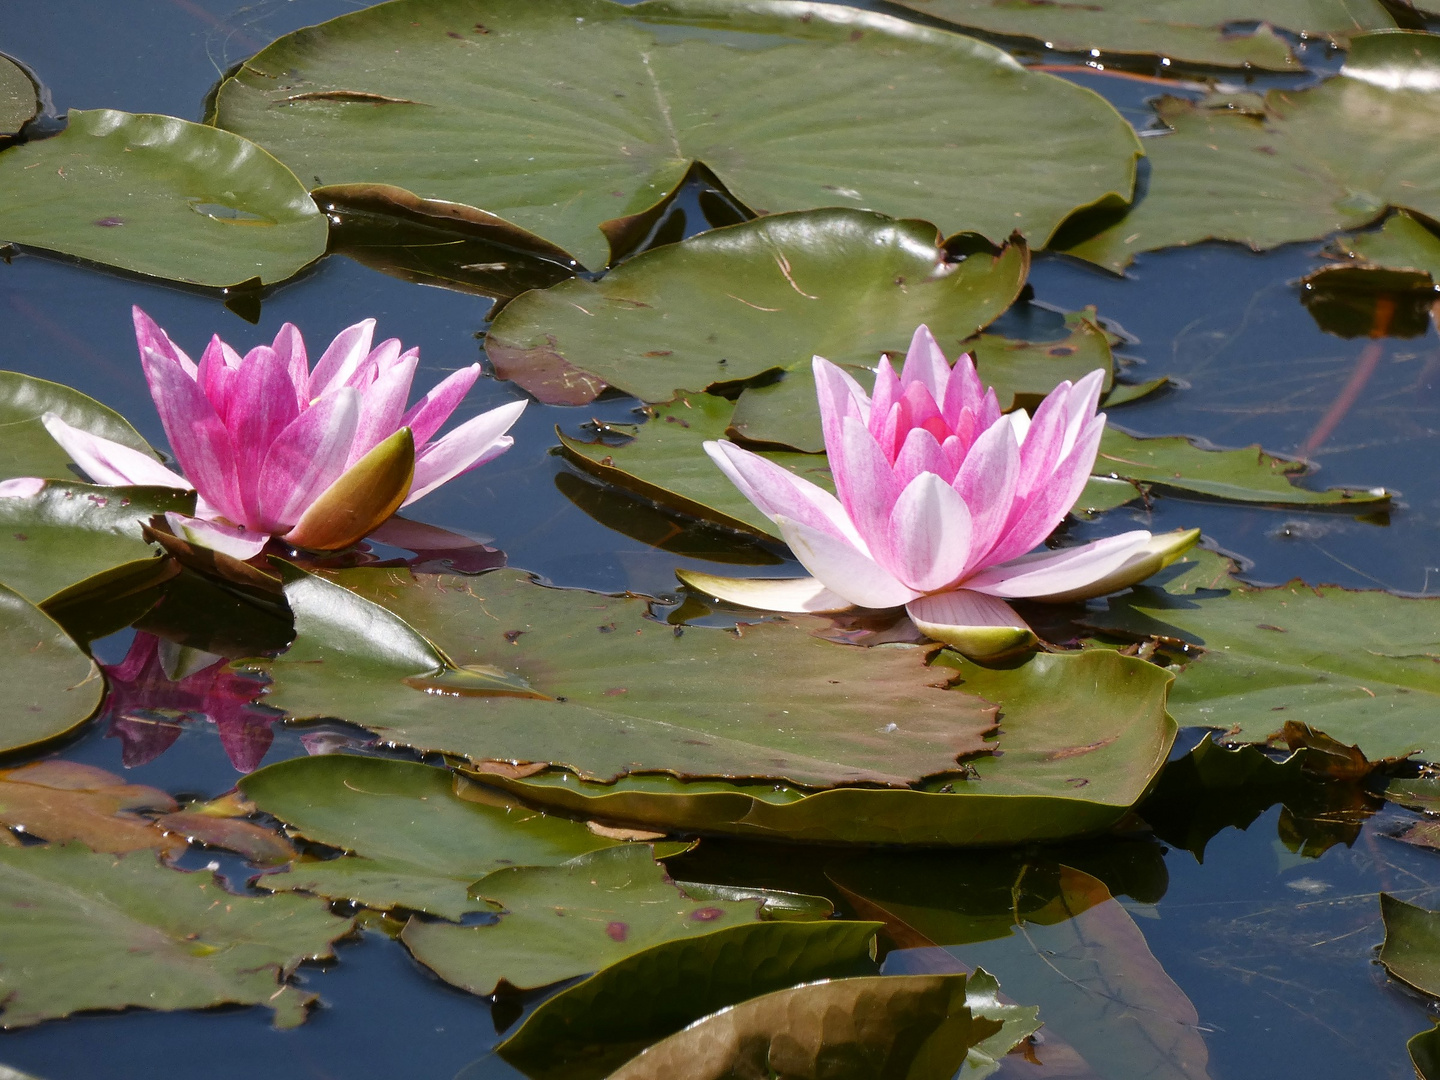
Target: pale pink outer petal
{"points": [[349, 349], [865, 483], [1050, 573], [776, 490], [110, 464], [929, 534], [986, 481], [290, 345], [1080, 407], [197, 436], [472, 444], [977, 625], [305, 460], [381, 406], [148, 335], [21, 487], [767, 594], [843, 568], [1048, 505], [839, 396], [426, 416], [262, 406], [233, 540], [925, 363]]}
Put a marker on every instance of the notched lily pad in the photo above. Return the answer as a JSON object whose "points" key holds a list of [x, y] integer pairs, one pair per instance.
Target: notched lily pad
{"points": [[56, 686], [1411, 952], [160, 196], [19, 97], [83, 930]]}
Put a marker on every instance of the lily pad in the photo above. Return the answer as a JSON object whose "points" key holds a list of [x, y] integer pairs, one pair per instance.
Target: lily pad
{"points": [[921, 1027], [416, 843], [1316, 160], [560, 922], [762, 296], [548, 675], [562, 116], [1359, 666], [1402, 243], [160, 196], [587, 1030], [1186, 31], [84, 930], [19, 97], [57, 686], [1083, 735], [69, 532], [66, 800], [1424, 1052], [26, 448], [1411, 952]]}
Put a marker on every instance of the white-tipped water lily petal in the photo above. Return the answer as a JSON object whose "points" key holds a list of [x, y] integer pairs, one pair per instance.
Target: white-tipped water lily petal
{"points": [[1020, 421], [979, 626], [1154, 555], [349, 349], [238, 543], [775, 489], [929, 534], [767, 594], [843, 568], [480, 439], [1056, 573], [925, 363], [839, 396], [108, 463], [21, 487], [1080, 406]]}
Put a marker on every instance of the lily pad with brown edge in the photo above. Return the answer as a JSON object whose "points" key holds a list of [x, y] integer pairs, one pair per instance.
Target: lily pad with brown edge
{"points": [[61, 801], [1333, 156], [70, 531], [1404, 242], [760, 297], [160, 196], [589, 1029], [56, 686], [1359, 666], [26, 448], [1063, 942], [19, 97], [81, 930], [413, 842], [1411, 951], [1188, 32], [922, 1027], [564, 116], [539, 675], [1083, 736], [560, 922]]}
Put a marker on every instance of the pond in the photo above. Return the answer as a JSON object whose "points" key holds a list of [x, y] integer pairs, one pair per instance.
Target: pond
{"points": [[514, 784]]}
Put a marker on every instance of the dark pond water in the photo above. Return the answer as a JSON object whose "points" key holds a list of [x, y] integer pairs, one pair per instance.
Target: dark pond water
{"points": [[1275, 949]]}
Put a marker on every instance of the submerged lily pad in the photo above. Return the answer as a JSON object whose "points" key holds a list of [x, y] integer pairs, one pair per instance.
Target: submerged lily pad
{"points": [[83, 930], [1186, 31], [26, 448], [416, 843], [1330, 157], [19, 98], [57, 686], [1082, 737], [559, 922], [561, 116], [160, 196], [589, 1029], [762, 296], [1359, 666], [565, 677], [65, 800]]}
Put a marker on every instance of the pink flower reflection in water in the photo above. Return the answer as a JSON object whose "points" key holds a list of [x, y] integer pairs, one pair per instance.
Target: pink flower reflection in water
{"points": [[147, 709]]}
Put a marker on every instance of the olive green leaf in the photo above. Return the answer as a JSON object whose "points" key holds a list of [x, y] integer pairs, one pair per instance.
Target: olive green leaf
{"points": [[19, 97], [160, 196], [1402, 243], [26, 448], [1425, 1053], [1411, 952], [57, 686]]}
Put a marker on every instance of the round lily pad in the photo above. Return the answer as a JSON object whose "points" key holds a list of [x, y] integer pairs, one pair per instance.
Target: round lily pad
{"points": [[160, 196], [27, 449], [565, 115], [57, 686]]}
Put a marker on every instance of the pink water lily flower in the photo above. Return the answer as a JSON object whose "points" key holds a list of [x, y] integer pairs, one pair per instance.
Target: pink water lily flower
{"points": [[941, 501], [316, 457]]}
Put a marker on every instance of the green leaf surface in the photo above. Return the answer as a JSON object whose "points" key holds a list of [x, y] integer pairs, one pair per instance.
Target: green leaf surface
{"points": [[584, 1032], [920, 1027], [1082, 737], [734, 303], [26, 448], [1186, 31], [160, 196], [1402, 243], [1359, 666], [559, 922], [58, 686], [1425, 1053], [415, 843], [561, 116], [1023, 372], [1411, 952], [71, 531], [587, 681], [19, 98], [83, 930], [1330, 157]]}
